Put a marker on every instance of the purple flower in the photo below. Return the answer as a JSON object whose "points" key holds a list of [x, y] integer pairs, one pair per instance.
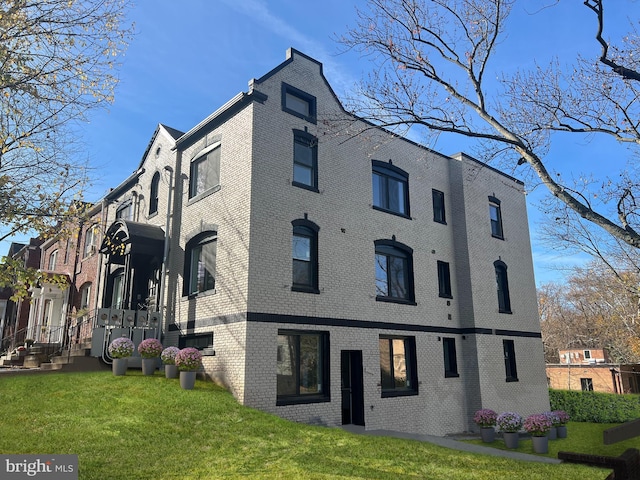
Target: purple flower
{"points": [[538, 424], [121, 347], [509, 422], [188, 359], [168, 355], [563, 417], [150, 348], [485, 417]]}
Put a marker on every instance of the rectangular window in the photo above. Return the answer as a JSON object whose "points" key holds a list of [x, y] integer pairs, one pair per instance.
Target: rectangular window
{"points": [[205, 172], [444, 280], [586, 384], [398, 366], [390, 188], [438, 206], [125, 211], [450, 360], [302, 367], [305, 161], [587, 354], [495, 214], [196, 340], [298, 103], [203, 258], [510, 360]]}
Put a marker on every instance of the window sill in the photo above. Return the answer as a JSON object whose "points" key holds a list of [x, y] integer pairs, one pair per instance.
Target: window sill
{"points": [[304, 289], [151, 215], [499, 237], [302, 399], [451, 375], [512, 379], [202, 195], [444, 295], [398, 393], [439, 221], [206, 293], [305, 186], [308, 118], [402, 301], [397, 214], [506, 312]]}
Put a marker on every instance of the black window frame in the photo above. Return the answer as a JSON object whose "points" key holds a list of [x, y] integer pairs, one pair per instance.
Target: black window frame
{"points": [[204, 238], [444, 280], [308, 229], [389, 172], [439, 212], [300, 95], [200, 157], [397, 250], [502, 287], [510, 366], [153, 194], [305, 139], [324, 369], [196, 340], [387, 383], [126, 206], [497, 229], [586, 384], [450, 357]]}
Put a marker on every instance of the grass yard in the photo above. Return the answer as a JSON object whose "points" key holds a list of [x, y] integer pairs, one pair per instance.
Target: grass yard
{"points": [[137, 427]]}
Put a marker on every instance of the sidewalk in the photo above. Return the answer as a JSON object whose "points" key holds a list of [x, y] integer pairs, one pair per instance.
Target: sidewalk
{"points": [[451, 442]]}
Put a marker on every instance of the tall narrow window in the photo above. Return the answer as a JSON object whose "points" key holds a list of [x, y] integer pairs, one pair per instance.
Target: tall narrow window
{"points": [[117, 300], [53, 260], [438, 206], [305, 160], [510, 360], [502, 284], [398, 366], [495, 215], [90, 241], [390, 188], [200, 262], [450, 360], [153, 193], [304, 248], [444, 280], [302, 367], [394, 272], [205, 171]]}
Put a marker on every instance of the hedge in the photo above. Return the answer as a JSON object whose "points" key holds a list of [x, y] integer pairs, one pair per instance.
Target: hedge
{"points": [[596, 407]]}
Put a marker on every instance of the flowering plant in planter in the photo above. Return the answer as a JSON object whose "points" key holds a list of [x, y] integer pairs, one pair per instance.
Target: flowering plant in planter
{"points": [[510, 422], [485, 418], [538, 424], [168, 355], [150, 348], [561, 416], [188, 359], [121, 347], [555, 420]]}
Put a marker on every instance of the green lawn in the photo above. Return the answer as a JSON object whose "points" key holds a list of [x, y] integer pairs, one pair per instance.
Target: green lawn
{"points": [[137, 427]]}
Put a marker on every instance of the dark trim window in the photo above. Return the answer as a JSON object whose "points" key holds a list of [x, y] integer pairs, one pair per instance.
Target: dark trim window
{"points": [[438, 206], [305, 256], [398, 366], [196, 340], [394, 272], [502, 284], [153, 193], [450, 360], [495, 214], [205, 171], [587, 354], [511, 371], [200, 264], [303, 367], [390, 188], [444, 280], [586, 384], [298, 103], [305, 160], [125, 210]]}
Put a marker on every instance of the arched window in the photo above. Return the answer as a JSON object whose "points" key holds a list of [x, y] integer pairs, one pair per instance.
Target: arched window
{"points": [[495, 214], [53, 259], [90, 241], [200, 263], [504, 301], [153, 193], [305, 256], [394, 272]]}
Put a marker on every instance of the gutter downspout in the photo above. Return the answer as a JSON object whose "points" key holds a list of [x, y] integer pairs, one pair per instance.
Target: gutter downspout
{"points": [[165, 255]]}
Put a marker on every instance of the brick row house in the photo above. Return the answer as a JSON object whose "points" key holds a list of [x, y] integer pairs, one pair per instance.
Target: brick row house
{"points": [[332, 272]]}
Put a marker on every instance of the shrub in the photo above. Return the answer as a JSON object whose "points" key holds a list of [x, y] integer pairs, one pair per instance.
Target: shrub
{"points": [[188, 359], [150, 348], [121, 347], [509, 422], [168, 355], [596, 407]]}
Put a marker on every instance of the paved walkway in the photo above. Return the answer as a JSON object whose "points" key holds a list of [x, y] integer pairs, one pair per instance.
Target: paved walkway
{"points": [[451, 442]]}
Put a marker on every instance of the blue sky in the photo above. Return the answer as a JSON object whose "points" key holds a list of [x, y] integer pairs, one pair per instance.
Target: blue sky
{"points": [[188, 58]]}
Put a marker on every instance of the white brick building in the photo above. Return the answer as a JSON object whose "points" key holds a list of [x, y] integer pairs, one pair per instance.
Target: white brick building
{"points": [[340, 278]]}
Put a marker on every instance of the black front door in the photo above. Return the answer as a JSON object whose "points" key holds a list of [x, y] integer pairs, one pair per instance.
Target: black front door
{"points": [[352, 387]]}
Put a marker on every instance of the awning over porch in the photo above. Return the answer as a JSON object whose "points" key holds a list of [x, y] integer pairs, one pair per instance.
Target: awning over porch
{"points": [[125, 237]]}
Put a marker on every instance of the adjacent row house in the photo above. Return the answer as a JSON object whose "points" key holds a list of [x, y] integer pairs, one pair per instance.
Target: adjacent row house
{"points": [[331, 271]]}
